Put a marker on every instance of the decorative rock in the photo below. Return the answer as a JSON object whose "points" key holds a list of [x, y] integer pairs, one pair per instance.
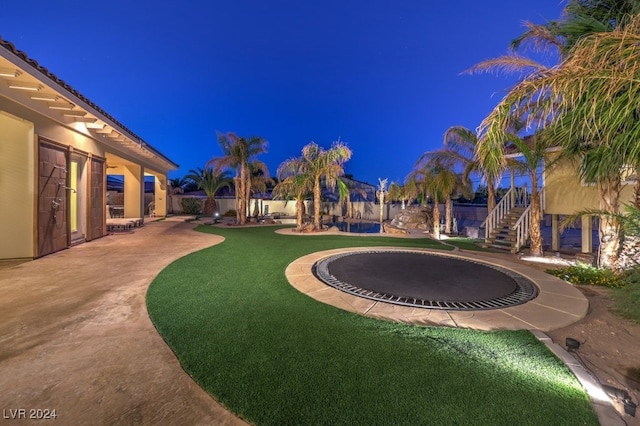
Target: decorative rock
{"points": [[413, 218], [390, 229]]}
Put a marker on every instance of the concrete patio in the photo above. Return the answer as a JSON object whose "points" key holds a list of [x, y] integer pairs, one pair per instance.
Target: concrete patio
{"points": [[75, 335]]}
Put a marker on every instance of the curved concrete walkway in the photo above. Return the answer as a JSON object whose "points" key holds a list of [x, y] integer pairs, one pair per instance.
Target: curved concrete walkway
{"points": [[75, 335]]}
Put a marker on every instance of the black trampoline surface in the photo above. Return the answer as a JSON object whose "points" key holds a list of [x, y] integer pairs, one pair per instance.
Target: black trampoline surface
{"points": [[425, 280]]}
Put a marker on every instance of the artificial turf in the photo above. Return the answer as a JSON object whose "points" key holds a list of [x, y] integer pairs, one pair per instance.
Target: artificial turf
{"points": [[275, 356]]}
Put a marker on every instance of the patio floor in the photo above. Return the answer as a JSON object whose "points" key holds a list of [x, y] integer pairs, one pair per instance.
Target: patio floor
{"points": [[75, 335]]}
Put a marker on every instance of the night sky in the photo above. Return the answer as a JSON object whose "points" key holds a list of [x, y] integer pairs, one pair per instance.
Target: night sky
{"points": [[383, 76]]}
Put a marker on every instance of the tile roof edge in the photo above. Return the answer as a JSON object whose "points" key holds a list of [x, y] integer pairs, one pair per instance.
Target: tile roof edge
{"points": [[61, 83]]}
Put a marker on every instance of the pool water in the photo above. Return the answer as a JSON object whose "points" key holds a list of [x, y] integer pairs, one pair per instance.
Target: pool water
{"points": [[357, 227]]}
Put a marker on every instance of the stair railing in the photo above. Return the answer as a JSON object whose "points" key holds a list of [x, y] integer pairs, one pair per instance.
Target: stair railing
{"points": [[523, 224], [514, 197]]}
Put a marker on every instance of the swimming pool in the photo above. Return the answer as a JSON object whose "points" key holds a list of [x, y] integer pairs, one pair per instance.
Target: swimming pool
{"points": [[356, 227]]}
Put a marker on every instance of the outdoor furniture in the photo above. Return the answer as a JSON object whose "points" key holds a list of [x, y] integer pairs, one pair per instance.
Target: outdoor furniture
{"points": [[120, 224], [116, 211]]}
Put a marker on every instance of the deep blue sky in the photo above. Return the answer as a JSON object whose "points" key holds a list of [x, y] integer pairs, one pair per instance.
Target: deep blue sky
{"points": [[383, 76]]}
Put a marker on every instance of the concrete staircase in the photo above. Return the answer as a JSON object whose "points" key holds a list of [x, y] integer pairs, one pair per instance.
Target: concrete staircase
{"points": [[503, 236]]}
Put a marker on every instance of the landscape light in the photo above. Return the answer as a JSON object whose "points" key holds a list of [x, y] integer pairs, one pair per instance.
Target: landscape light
{"points": [[572, 344]]}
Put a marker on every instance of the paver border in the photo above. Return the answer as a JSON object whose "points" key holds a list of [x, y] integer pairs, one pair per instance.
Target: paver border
{"points": [[557, 305]]}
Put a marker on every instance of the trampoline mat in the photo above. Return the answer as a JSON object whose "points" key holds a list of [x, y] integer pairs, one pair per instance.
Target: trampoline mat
{"points": [[425, 280]]}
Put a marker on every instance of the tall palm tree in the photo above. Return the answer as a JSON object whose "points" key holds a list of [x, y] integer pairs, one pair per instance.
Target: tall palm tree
{"points": [[590, 101], [258, 182], [294, 184], [209, 181], [346, 188], [238, 153], [579, 18], [459, 148], [443, 162], [323, 165], [441, 181], [532, 155], [404, 193], [178, 184]]}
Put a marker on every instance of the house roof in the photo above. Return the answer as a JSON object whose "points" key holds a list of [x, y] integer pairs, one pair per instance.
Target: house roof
{"points": [[53, 97]]}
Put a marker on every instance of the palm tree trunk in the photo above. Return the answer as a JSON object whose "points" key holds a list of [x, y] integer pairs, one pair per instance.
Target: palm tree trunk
{"points": [[636, 190], [316, 205], [491, 197], [436, 219], [247, 197], [236, 184], [208, 206], [243, 206], [448, 210], [299, 212], [609, 226], [536, 218]]}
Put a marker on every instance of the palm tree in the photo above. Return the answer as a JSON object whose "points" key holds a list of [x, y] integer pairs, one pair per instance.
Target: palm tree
{"points": [[532, 154], [590, 102], [448, 182], [178, 184], [294, 184], [258, 182], [580, 18], [209, 181], [238, 153], [404, 193], [346, 188], [460, 145], [441, 181], [327, 165]]}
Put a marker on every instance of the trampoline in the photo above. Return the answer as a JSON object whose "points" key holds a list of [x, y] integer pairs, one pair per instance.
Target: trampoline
{"points": [[425, 280]]}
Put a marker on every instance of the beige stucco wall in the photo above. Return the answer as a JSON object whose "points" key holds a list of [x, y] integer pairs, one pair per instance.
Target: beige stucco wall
{"points": [[16, 187], [566, 194]]}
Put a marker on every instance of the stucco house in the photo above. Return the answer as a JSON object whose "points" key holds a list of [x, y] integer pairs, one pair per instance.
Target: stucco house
{"points": [[562, 193], [56, 148]]}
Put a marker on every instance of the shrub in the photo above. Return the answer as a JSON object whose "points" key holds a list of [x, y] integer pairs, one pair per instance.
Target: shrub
{"points": [[230, 213], [191, 206], [584, 274]]}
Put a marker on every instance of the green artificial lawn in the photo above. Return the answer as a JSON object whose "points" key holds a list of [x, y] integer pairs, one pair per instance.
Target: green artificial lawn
{"points": [[275, 356]]}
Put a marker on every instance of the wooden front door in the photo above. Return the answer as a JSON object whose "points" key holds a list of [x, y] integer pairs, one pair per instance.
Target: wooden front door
{"points": [[97, 202], [53, 230]]}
